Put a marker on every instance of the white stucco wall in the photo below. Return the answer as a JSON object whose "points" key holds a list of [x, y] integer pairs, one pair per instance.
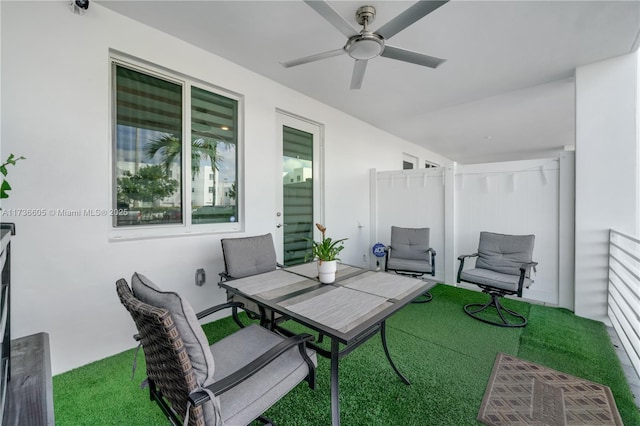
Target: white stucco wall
{"points": [[607, 184], [55, 111]]}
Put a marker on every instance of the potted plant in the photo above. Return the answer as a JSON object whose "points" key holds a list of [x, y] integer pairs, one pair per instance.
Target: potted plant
{"points": [[326, 252]]}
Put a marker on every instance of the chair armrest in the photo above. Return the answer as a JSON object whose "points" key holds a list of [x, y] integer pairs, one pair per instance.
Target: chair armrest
{"points": [[387, 255], [464, 256], [523, 273], [432, 251], [217, 308], [225, 277], [237, 377], [461, 259], [526, 266]]}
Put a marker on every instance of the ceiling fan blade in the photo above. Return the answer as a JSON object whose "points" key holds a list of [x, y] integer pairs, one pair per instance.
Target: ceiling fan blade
{"points": [[414, 13], [358, 74], [334, 18], [409, 56], [312, 58]]}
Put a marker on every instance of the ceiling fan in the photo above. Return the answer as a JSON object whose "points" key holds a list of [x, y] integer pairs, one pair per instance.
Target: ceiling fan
{"points": [[364, 45]]}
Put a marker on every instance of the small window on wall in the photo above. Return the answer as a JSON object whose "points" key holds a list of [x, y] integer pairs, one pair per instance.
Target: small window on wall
{"points": [[409, 162], [159, 179], [429, 165]]}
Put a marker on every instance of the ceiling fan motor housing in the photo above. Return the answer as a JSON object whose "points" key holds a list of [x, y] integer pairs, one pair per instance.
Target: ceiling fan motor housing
{"points": [[365, 15]]}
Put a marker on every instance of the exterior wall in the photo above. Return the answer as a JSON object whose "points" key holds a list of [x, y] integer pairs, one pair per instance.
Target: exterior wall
{"points": [[607, 184], [55, 111]]}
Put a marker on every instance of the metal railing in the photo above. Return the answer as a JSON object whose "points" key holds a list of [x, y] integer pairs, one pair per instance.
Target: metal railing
{"points": [[624, 292]]}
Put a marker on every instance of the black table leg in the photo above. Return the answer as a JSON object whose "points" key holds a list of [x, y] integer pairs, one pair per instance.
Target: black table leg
{"points": [[383, 334], [335, 400]]}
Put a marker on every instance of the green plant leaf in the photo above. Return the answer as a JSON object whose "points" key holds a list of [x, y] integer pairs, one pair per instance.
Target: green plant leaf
{"points": [[4, 188]]}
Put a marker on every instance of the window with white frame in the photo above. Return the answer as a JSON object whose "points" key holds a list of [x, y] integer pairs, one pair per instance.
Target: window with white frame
{"points": [[409, 161], [158, 178]]}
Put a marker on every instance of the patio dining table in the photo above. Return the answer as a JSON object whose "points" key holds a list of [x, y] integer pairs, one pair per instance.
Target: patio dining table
{"points": [[349, 312]]}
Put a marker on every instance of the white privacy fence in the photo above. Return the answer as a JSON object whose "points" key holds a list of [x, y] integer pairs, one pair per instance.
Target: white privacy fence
{"points": [[624, 292], [458, 202]]}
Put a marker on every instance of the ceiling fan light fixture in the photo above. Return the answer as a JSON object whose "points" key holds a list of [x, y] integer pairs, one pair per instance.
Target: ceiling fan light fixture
{"points": [[364, 46]]}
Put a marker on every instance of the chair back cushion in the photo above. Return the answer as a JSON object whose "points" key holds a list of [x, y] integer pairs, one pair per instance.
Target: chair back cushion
{"points": [[195, 341], [504, 253], [249, 255], [410, 243]]}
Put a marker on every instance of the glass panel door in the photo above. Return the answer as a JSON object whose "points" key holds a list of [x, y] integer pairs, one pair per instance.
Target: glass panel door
{"points": [[299, 200], [297, 191]]}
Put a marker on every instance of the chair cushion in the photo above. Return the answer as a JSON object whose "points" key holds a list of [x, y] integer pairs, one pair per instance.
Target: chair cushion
{"points": [[245, 402], [504, 253], [249, 255], [494, 279], [195, 341], [410, 243], [409, 265]]}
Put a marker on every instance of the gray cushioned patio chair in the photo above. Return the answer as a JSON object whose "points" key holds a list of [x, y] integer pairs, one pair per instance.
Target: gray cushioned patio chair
{"points": [[503, 267], [244, 257], [409, 254], [232, 381]]}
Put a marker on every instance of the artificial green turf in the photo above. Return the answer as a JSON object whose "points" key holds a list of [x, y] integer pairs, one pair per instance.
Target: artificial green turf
{"points": [[446, 355]]}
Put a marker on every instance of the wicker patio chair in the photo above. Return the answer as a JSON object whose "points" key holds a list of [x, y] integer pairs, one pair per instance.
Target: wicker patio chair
{"points": [[254, 367]]}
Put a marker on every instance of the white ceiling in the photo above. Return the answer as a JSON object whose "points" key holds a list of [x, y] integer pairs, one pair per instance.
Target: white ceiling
{"points": [[506, 91]]}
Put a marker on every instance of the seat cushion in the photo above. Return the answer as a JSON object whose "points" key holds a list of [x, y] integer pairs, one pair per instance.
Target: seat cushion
{"points": [[409, 265], [193, 337], [245, 402], [504, 253], [249, 255], [494, 279], [410, 243]]}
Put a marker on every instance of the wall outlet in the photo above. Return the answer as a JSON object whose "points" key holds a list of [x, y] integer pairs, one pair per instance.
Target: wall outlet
{"points": [[200, 277]]}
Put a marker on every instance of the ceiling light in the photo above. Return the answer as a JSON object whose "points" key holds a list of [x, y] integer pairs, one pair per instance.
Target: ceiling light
{"points": [[364, 46]]}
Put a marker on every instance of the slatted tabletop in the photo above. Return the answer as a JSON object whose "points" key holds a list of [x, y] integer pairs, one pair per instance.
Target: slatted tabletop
{"points": [[341, 308], [357, 300]]}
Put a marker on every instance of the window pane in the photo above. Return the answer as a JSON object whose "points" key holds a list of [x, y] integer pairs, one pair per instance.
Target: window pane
{"points": [[297, 186], [214, 139], [148, 149]]}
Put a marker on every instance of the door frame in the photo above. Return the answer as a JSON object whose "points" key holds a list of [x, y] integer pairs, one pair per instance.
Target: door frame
{"points": [[285, 118]]}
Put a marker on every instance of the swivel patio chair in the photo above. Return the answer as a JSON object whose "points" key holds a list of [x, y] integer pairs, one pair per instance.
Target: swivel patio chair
{"points": [[244, 257], [409, 254], [503, 267], [254, 367]]}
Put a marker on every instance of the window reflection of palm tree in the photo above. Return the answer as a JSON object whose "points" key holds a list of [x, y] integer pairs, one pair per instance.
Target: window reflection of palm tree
{"points": [[202, 149]]}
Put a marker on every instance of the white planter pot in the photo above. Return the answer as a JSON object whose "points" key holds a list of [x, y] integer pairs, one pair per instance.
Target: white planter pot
{"points": [[327, 271]]}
